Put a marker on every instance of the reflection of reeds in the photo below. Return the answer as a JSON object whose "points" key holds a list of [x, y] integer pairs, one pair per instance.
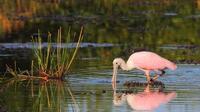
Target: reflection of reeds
{"points": [[51, 96], [48, 96], [55, 62], [74, 101]]}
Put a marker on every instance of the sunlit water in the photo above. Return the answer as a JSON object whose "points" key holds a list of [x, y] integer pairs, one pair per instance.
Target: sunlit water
{"points": [[92, 91], [88, 89], [111, 29], [184, 81]]}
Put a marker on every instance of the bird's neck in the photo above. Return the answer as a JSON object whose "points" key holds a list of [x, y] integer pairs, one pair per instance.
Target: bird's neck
{"points": [[124, 66]]}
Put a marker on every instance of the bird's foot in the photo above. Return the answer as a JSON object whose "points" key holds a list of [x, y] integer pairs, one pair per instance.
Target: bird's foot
{"points": [[156, 76], [162, 73], [151, 81]]}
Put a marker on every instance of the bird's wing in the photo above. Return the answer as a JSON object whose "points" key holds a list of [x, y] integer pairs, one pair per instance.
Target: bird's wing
{"points": [[147, 60]]}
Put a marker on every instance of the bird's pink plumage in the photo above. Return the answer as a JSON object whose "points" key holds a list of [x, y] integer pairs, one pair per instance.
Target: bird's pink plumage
{"points": [[150, 61], [149, 101]]}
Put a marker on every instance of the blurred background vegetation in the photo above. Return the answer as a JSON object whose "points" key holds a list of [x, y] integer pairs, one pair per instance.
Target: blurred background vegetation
{"points": [[160, 26], [144, 22]]}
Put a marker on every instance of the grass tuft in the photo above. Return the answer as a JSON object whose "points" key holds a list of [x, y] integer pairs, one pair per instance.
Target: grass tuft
{"points": [[52, 61], [55, 62]]}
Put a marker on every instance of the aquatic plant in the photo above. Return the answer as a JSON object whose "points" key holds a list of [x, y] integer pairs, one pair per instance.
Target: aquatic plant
{"points": [[55, 62], [52, 61], [19, 75]]}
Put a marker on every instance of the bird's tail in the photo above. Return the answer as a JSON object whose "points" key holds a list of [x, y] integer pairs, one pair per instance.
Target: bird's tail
{"points": [[171, 65]]}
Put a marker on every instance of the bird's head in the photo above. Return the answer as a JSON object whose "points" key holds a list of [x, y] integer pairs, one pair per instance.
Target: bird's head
{"points": [[117, 62]]}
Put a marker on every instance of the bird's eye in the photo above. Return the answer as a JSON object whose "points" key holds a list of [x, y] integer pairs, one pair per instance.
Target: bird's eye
{"points": [[116, 63]]}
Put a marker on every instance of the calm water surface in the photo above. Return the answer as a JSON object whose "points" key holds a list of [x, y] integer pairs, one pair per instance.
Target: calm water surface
{"points": [[184, 81], [92, 91], [111, 29]]}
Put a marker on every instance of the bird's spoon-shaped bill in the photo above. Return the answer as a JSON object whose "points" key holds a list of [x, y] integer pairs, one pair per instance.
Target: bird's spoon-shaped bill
{"points": [[114, 77]]}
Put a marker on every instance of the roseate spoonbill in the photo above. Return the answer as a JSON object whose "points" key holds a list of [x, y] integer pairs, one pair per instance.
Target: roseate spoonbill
{"points": [[149, 100], [146, 100], [145, 61]]}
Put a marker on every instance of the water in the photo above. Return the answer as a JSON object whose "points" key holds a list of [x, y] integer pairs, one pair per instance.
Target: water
{"points": [[184, 81], [92, 91], [111, 29]]}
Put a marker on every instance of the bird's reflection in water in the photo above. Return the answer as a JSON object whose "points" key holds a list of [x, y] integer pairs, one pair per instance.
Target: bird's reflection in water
{"points": [[147, 100]]}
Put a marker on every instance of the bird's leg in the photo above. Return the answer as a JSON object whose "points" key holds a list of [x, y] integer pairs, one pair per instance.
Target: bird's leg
{"points": [[158, 75], [148, 76], [147, 89]]}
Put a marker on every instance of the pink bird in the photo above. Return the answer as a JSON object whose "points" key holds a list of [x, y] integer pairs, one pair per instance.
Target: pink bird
{"points": [[149, 100], [145, 61]]}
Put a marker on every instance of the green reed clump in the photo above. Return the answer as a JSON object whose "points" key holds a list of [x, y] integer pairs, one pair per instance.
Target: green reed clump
{"points": [[55, 61]]}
